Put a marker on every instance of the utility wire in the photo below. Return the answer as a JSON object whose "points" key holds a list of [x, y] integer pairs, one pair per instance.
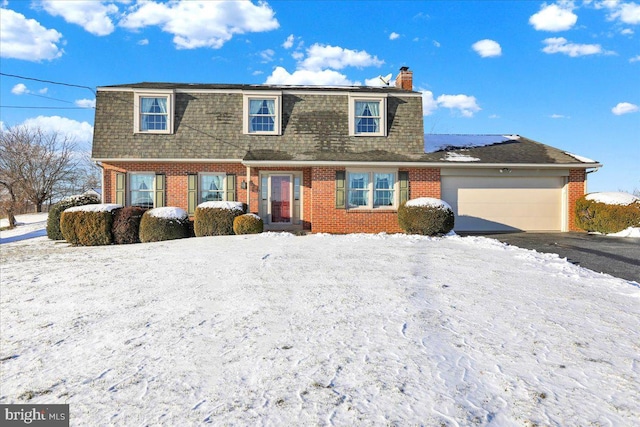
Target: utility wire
{"points": [[47, 108], [48, 81]]}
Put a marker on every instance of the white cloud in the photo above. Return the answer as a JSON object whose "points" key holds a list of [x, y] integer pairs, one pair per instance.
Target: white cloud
{"points": [[377, 82], [86, 103], [394, 36], [143, 42], [288, 43], [628, 13], [43, 90], [297, 55], [93, 16], [20, 89], [429, 104], [325, 56], [554, 17], [562, 45], [627, 32], [26, 39], [436, 43], [267, 55], [494, 116], [280, 76], [559, 116], [465, 104], [196, 24], [80, 132], [625, 108], [487, 48], [635, 58]]}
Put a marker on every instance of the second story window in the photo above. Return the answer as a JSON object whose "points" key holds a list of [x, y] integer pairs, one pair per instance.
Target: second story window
{"points": [[262, 113], [153, 112], [367, 115]]}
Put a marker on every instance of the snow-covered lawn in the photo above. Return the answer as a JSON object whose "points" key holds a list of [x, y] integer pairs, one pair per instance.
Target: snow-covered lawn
{"points": [[279, 330]]}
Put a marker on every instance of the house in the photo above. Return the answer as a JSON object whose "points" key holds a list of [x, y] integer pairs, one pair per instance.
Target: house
{"points": [[324, 159]]}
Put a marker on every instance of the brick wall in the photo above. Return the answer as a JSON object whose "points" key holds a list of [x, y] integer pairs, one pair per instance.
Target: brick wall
{"points": [[327, 219], [577, 189]]}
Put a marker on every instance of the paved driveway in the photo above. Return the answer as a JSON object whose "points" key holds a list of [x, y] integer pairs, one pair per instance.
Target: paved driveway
{"points": [[617, 256]]}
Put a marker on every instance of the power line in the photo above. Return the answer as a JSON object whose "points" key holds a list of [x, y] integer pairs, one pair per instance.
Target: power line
{"points": [[47, 108], [48, 81]]}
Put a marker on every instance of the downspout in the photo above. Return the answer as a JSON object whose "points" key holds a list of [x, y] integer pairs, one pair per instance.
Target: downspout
{"points": [[248, 188]]}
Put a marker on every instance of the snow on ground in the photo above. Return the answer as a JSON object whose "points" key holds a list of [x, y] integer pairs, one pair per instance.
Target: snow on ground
{"points": [[274, 329], [28, 226]]}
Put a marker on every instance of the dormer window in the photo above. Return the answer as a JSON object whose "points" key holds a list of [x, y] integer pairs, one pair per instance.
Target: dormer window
{"points": [[262, 113], [367, 115], [153, 113]]}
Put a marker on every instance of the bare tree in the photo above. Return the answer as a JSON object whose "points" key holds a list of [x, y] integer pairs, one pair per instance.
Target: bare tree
{"points": [[33, 164]]}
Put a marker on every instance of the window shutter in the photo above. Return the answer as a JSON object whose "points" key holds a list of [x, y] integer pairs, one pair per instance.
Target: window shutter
{"points": [[159, 186], [403, 180], [230, 193], [192, 193], [340, 189], [121, 180]]}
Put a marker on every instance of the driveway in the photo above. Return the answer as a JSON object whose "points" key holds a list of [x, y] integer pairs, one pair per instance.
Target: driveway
{"points": [[617, 256]]}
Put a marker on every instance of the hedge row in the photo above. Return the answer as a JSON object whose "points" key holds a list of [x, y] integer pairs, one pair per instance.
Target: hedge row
{"points": [[426, 216], [592, 215], [53, 220], [107, 224]]}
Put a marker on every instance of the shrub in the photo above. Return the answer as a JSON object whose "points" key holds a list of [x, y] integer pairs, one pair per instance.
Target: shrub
{"points": [[592, 214], [248, 224], [426, 216], [161, 224], [126, 225], [216, 218], [53, 220], [88, 225]]}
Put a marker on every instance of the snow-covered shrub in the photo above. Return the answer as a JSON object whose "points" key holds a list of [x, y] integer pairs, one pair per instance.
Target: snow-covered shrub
{"points": [[426, 216], [53, 219], [248, 224], [88, 225], [164, 224], [607, 212], [126, 225], [216, 218]]}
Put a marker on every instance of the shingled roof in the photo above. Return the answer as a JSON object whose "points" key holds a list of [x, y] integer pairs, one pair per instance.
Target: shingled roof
{"points": [[495, 149]]}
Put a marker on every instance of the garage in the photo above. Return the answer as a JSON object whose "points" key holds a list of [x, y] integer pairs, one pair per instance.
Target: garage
{"points": [[500, 202]]}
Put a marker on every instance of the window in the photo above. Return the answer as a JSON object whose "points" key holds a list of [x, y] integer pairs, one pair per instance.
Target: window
{"points": [[262, 113], [212, 187], [367, 116], [153, 113], [371, 189], [141, 189]]}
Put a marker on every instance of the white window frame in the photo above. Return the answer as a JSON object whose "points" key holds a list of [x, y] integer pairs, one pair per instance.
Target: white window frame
{"points": [[371, 190], [169, 95], [130, 188], [262, 95], [224, 184], [380, 97]]}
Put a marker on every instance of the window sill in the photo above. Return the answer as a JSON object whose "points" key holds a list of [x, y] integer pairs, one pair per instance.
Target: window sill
{"points": [[373, 210]]}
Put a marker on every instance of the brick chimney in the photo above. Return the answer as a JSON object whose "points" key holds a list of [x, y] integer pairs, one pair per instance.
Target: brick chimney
{"points": [[404, 80]]}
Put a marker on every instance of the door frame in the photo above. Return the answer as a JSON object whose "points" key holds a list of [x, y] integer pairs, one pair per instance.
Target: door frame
{"points": [[295, 208]]}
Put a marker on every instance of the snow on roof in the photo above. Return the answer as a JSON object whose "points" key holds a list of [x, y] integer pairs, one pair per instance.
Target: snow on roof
{"points": [[452, 156], [104, 207], [613, 198], [429, 201], [581, 158], [439, 142], [232, 206], [168, 213]]}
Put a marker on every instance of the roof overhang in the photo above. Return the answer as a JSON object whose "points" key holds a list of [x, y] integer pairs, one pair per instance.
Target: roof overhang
{"points": [[457, 165]]}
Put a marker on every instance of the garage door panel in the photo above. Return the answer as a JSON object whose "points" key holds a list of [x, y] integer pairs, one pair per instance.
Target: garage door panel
{"points": [[505, 203]]}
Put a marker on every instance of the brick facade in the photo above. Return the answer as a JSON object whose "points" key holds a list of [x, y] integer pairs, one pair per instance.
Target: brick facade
{"points": [[577, 188], [318, 190]]}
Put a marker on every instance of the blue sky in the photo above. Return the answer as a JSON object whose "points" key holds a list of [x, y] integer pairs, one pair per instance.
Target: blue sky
{"points": [[563, 73]]}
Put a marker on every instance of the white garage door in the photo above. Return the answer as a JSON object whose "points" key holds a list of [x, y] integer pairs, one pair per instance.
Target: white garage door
{"points": [[505, 203]]}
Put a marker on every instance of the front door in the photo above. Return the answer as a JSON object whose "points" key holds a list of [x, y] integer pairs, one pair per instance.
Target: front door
{"points": [[280, 201]]}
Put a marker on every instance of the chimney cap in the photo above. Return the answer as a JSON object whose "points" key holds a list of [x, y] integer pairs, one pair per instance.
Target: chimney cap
{"points": [[404, 68]]}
